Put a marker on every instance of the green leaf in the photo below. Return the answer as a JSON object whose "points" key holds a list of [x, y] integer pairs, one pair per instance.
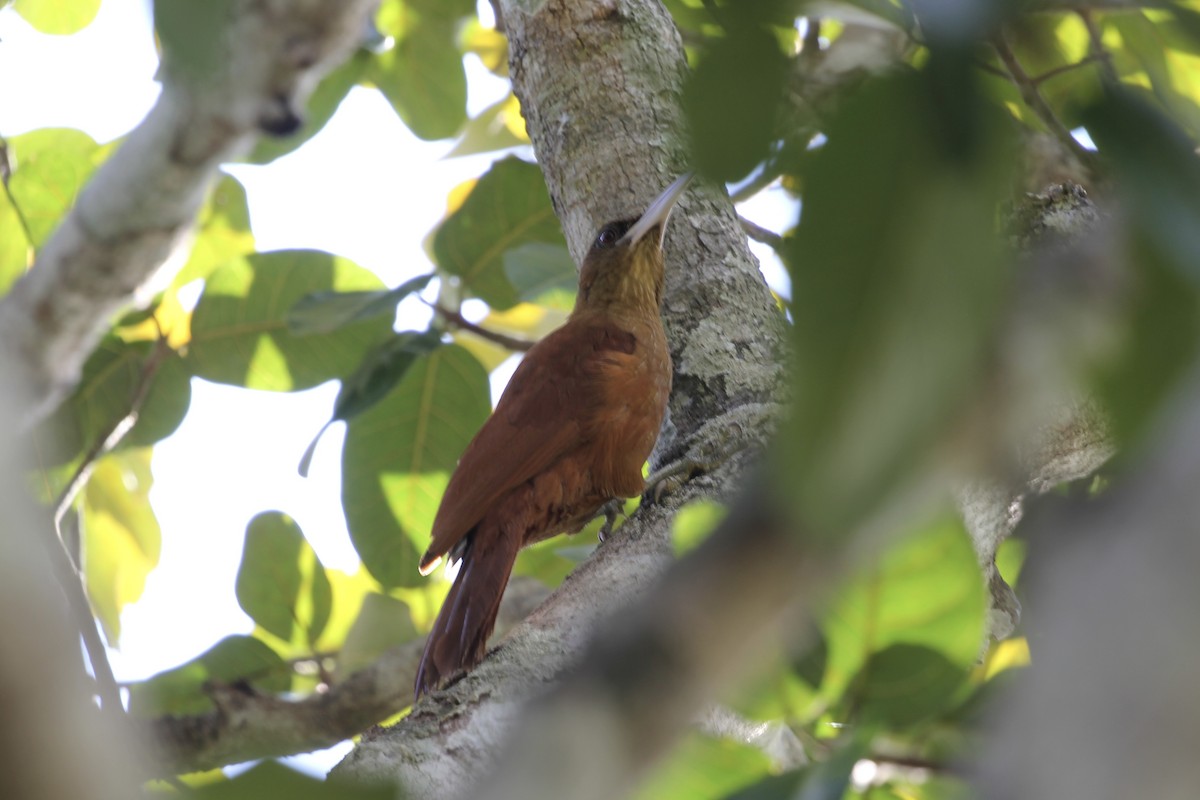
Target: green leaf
{"points": [[325, 100], [380, 370], [281, 583], [824, 780], [239, 329], [222, 231], [51, 167], [927, 590], [270, 780], [732, 101], [701, 768], [325, 312], [422, 75], [898, 279], [58, 17], [536, 268], [233, 659], [508, 207], [398, 456], [105, 392], [906, 684], [190, 32], [489, 130], [383, 623], [694, 522], [121, 537]]}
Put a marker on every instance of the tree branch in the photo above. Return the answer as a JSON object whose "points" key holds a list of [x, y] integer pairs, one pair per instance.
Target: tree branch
{"points": [[142, 202], [459, 321], [1033, 98], [246, 724]]}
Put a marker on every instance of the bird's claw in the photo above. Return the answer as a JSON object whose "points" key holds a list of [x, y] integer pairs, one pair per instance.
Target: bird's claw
{"points": [[611, 510], [676, 474]]}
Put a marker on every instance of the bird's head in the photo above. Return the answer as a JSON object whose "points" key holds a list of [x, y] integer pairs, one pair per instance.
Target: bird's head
{"points": [[624, 265]]}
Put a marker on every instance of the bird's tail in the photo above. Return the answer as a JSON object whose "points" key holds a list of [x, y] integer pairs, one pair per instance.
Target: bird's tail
{"points": [[459, 637]]}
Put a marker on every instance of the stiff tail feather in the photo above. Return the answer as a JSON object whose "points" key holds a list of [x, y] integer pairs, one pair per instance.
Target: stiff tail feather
{"points": [[459, 637]]}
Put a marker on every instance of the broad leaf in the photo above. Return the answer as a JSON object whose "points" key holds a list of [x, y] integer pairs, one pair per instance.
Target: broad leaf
{"points": [[281, 583], [222, 231], [732, 101], [422, 74], [121, 537], [507, 207], [239, 328], [398, 457], [325, 312], [15, 250], [104, 395], [898, 279], [191, 32], [233, 659], [926, 591], [905, 684], [537, 268], [380, 370], [51, 167]]}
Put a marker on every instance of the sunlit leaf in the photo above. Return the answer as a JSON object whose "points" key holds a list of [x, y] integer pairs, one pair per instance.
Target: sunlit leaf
{"points": [[121, 537], [494, 128], [507, 207], [398, 456], [51, 166], [233, 659], [927, 590], [222, 232], [281, 583], [239, 327], [59, 17], [422, 74], [694, 522]]}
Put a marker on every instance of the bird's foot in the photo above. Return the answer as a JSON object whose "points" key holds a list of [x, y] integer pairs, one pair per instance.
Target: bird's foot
{"points": [[673, 475], [610, 510]]}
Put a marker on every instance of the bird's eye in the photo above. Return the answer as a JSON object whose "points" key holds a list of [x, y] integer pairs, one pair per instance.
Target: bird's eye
{"points": [[607, 237]]}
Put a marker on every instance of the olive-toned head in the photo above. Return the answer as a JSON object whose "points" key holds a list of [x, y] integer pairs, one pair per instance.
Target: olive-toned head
{"points": [[624, 266]]}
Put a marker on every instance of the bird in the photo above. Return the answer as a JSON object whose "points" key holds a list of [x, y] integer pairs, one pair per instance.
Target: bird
{"points": [[569, 435]]}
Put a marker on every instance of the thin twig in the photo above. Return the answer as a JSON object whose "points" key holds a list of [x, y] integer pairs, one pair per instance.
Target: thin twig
{"points": [[760, 234], [762, 180], [1083, 62], [1033, 98], [459, 321], [67, 569], [1097, 43], [12, 200]]}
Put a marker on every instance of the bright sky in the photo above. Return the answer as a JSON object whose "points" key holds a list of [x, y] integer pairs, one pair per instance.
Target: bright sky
{"points": [[364, 188]]}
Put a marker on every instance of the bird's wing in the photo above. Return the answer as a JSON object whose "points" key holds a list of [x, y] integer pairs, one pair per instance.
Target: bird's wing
{"points": [[543, 414]]}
